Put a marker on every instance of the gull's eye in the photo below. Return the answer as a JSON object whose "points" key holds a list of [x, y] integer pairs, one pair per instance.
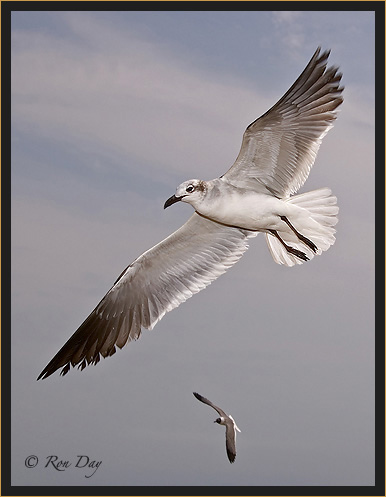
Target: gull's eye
{"points": [[190, 188]]}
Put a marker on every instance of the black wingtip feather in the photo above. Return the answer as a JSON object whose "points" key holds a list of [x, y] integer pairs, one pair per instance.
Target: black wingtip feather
{"points": [[82, 365], [65, 370], [198, 396], [231, 456]]}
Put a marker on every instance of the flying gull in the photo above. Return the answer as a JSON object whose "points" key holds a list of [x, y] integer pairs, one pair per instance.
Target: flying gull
{"points": [[230, 427], [254, 195]]}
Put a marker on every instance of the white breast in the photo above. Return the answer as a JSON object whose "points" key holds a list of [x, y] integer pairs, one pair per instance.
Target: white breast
{"points": [[248, 210]]}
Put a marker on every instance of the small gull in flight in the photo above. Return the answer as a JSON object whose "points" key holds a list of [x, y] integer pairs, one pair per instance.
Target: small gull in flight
{"points": [[255, 195], [230, 427]]}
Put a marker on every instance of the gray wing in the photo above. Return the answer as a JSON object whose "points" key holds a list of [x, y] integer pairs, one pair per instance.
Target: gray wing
{"points": [[206, 401], [230, 440], [279, 149], [155, 283]]}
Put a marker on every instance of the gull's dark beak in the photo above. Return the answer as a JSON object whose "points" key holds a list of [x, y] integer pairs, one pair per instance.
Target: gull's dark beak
{"points": [[172, 200]]}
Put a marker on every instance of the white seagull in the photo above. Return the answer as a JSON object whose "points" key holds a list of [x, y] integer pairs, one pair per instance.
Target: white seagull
{"points": [[230, 427], [254, 195]]}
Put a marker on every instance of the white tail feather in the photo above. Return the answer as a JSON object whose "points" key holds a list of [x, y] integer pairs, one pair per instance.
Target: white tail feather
{"points": [[317, 226]]}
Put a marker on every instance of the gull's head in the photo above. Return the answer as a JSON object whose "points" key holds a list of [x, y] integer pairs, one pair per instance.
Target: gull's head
{"points": [[220, 421], [191, 191]]}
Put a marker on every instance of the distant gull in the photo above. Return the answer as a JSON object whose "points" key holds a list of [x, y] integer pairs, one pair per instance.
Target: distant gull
{"points": [[230, 427], [254, 195]]}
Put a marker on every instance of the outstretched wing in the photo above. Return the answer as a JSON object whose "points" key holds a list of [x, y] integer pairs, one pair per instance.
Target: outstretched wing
{"points": [[155, 283], [206, 401], [279, 148], [230, 441]]}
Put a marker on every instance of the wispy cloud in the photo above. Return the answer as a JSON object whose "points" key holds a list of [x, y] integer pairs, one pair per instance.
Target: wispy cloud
{"points": [[289, 30], [127, 95]]}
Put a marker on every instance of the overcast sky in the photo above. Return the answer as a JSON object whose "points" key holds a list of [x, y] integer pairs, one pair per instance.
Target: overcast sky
{"points": [[110, 112]]}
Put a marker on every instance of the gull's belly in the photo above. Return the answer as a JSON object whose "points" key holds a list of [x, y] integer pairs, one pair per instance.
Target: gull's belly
{"points": [[249, 211]]}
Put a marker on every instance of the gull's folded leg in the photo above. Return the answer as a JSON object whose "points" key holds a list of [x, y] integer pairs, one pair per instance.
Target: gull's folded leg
{"points": [[290, 250], [301, 237]]}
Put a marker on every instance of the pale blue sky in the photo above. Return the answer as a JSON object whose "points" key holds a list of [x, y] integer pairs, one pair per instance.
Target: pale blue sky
{"points": [[110, 112]]}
